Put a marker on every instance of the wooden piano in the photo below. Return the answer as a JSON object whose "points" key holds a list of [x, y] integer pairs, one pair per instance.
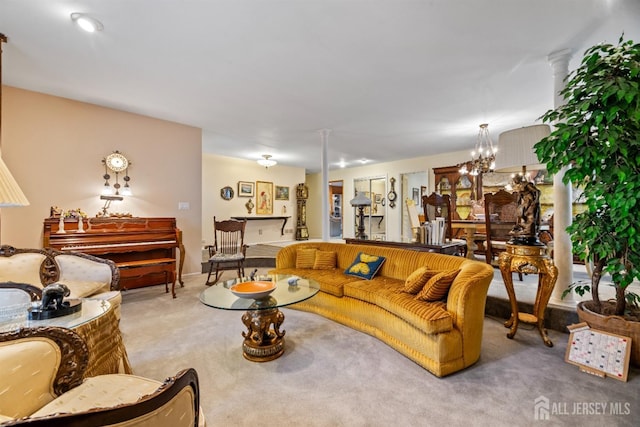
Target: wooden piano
{"points": [[144, 249]]}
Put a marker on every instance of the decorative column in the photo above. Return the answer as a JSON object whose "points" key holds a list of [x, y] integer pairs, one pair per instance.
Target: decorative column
{"points": [[302, 193], [325, 184], [562, 193]]}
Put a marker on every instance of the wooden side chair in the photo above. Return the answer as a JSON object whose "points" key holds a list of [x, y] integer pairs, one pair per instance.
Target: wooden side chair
{"points": [[439, 206], [228, 251], [500, 216]]}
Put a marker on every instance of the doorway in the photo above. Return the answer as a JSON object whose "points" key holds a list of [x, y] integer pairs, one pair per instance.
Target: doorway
{"points": [[335, 209], [413, 187]]}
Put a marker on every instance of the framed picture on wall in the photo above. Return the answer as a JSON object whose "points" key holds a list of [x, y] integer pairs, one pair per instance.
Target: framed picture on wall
{"points": [[282, 193], [415, 195], [245, 189], [264, 198]]}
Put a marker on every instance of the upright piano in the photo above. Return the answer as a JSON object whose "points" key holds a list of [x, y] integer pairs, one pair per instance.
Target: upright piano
{"points": [[143, 248]]}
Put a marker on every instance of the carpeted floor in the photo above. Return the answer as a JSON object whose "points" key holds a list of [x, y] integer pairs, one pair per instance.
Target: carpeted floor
{"points": [[331, 375]]}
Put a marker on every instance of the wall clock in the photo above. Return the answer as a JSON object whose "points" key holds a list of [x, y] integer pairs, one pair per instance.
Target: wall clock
{"points": [[392, 196], [117, 162]]}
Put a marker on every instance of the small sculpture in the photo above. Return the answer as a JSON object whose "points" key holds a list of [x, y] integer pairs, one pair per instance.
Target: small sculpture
{"points": [[53, 295], [527, 226], [249, 205]]}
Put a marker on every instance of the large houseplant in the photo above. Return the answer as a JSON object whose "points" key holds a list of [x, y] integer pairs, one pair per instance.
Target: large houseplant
{"points": [[596, 142]]}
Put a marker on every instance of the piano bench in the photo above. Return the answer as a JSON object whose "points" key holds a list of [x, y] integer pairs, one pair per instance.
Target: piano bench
{"points": [[143, 267]]}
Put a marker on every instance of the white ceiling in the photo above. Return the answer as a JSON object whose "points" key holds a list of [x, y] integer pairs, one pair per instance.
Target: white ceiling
{"points": [[392, 79]]}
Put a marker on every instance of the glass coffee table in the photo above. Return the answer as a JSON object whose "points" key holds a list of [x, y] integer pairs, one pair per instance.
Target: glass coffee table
{"points": [[263, 339]]}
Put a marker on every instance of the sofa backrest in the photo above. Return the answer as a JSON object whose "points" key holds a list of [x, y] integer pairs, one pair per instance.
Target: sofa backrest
{"points": [[84, 274]]}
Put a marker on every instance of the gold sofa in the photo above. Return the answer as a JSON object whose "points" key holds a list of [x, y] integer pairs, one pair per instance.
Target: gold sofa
{"points": [[441, 336], [43, 384]]}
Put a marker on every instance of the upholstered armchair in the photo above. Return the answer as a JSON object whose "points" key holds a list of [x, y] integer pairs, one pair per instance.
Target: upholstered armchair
{"points": [[42, 382]]}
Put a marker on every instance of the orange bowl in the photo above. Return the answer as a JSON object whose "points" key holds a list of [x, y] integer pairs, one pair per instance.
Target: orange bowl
{"points": [[253, 290]]}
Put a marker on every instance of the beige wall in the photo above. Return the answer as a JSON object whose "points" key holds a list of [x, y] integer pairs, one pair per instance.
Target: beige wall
{"points": [[54, 147], [220, 171]]}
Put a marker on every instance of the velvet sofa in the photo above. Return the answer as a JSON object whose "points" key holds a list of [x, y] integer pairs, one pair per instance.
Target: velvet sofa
{"points": [[441, 334]]}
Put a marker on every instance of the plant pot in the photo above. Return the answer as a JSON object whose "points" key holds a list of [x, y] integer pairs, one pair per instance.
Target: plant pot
{"points": [[613, 324]]}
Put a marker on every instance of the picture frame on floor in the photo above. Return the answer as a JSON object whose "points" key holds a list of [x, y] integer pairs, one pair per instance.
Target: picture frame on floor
{"points": [[264, 198]]}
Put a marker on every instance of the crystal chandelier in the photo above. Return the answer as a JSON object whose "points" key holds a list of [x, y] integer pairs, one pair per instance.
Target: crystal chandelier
{"points": [[483, 158]]}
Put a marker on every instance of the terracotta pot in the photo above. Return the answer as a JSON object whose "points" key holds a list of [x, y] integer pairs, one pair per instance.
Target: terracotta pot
{"points": [[613, 324]]}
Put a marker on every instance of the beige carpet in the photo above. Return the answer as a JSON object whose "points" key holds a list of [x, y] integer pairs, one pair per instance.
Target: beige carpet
{"points": [[331, 375]]}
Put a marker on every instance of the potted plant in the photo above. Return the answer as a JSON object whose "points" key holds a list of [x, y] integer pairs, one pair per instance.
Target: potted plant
{"points": [[596, 143]]}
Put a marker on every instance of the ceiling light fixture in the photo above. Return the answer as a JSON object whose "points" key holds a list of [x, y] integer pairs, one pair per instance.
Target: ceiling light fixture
{"points": [[483, 158], [86, 22], [266, 161]]}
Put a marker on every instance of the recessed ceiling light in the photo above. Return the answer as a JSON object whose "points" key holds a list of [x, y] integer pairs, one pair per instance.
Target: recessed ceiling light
{"points": [[86, 22]]}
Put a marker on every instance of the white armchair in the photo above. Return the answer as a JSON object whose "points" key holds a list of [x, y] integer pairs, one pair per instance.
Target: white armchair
{"points": [[41, 375]]}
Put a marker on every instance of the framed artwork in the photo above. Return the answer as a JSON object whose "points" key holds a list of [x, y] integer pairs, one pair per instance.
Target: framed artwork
{"points": [[282, 193], [377, 198], [264, 198], [415, 195], [245, 189]]}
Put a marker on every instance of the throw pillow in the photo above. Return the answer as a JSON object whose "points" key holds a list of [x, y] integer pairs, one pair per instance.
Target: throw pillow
{"points": [[305, 258], [416, 280], [365, 266], [325, 260], [438, 286]]}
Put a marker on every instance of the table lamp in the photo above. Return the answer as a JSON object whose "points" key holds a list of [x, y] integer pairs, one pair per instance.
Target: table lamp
{"points": [[360, 201], [516, 155]]}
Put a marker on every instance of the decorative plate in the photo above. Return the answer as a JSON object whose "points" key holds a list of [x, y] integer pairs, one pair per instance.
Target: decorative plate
{"points": [[253, 290]]}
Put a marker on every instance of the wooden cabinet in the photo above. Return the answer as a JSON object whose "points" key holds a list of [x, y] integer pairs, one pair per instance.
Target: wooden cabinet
{"points": [[461, 188]]}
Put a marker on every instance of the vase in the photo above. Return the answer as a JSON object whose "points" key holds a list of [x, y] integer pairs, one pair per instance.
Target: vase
{"points": [[80, 225], [61, 225], [613, 324]]}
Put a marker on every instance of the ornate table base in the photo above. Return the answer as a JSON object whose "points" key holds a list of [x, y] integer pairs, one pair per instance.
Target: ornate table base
{"points": [[262, 342], [529, 260]]}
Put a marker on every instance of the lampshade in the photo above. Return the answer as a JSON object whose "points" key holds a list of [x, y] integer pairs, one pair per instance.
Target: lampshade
{"points": [[516, 148], [360, 200], [266, 161], [10, 192]]}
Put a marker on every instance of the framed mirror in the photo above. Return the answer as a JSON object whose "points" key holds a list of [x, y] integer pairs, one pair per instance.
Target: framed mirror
{"points": [[226, 193]]}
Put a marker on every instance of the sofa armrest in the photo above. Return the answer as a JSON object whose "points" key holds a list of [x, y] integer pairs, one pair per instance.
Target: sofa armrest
{"points": [[86, 275]]}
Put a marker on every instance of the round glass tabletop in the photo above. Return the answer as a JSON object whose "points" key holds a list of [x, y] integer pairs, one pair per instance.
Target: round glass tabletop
{"points": [[220, 296]]}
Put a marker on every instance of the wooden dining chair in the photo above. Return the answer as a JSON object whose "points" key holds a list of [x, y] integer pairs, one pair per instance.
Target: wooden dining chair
{"points": [[500, 211], [228, 251]]}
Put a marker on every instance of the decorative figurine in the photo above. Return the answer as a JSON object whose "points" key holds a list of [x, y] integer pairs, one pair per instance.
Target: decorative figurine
{"points": [[53, 295]]}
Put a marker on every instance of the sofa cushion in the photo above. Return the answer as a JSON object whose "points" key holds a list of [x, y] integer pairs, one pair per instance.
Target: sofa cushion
{"points": [[103, 391], [438, 286], [365, 266], [416, 280], [325, 260], [83, 277], [387, 293], [305, 257], [22, 268]]}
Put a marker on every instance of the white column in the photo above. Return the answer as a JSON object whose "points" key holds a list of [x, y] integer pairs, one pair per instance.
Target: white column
{"points": [[562, 197], [324, 133]]}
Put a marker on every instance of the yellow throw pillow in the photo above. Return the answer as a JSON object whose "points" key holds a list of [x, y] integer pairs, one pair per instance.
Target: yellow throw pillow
{"points": [[325, 260], [305, 258], [416, 280], [438, 286]]}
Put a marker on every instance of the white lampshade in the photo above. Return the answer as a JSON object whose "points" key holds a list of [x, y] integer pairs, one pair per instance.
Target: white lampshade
{"points": [[360, 200], [10, 192], [516, 148]]}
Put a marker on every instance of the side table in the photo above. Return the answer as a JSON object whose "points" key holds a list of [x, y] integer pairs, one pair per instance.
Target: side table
{"points": [[528, 260]]}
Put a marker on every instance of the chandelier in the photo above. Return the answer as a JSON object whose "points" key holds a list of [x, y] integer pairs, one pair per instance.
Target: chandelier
{"points": [[266, 161], [483, 158]]}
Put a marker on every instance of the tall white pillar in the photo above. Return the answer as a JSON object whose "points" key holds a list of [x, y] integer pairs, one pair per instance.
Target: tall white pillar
{"points": [[324, 133], [562, 194]]}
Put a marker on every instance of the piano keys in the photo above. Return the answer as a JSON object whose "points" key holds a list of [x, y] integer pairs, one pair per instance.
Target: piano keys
{"points": [[143, 248]]}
